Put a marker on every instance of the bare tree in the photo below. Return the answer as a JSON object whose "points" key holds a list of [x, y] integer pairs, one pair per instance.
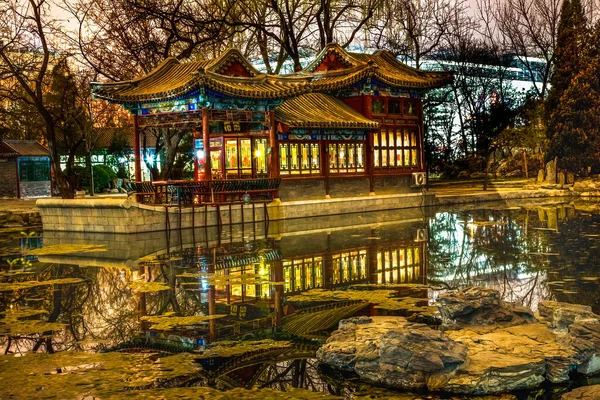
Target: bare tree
{"points": [[122, 39], [530, 29], [416, 29], [27, 51]]}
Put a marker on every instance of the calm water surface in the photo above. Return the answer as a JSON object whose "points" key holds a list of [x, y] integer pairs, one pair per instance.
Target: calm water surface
{"points": [[125, 292]]}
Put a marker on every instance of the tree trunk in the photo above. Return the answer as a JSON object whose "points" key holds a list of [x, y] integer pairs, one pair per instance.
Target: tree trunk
{"points": [[485, 175], [65, 190], [88, 165]]}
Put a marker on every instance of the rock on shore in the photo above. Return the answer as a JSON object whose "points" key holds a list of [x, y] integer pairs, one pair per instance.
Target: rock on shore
{"points": [[485, 346]]}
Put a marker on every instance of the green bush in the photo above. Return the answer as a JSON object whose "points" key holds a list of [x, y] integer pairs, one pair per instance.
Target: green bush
{"points": [[103, 176]]}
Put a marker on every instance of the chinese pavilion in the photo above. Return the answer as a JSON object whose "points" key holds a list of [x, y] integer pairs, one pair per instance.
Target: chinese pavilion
{"points": [[349, 124]]}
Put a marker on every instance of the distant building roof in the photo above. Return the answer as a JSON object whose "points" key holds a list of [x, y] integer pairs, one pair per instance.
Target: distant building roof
{"points": [[19, 148]]}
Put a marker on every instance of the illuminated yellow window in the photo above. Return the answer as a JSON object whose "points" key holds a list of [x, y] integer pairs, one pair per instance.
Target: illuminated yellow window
{"points": [[360, 157], [283, 159], [231, 153], [305, 159], [314, 157], [245, 154], [260, 155], [294, 158]]}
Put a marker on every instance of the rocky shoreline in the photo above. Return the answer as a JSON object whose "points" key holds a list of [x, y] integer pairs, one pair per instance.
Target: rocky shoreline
{"points": [[9, 219], [484, 346]]}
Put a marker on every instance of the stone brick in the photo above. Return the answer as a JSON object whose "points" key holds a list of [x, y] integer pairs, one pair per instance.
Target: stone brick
{"points": [[8, 178]]}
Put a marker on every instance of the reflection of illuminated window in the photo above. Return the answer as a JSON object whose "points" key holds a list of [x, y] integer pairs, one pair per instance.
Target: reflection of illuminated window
{"points": [[298, 278], [287, 276], [302, 274], [299, 158], [396, 148], [336, 269], [398, 265], [318, 263], [308, 273]]}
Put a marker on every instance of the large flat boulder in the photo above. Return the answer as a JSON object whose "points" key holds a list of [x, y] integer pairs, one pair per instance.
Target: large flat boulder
{"points": [[511, 354], [480, 306], [392, 351], [560, 315]]}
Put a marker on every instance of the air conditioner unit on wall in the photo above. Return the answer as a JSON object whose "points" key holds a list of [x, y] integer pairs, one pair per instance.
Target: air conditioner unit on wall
{"points": [[418, 179]]}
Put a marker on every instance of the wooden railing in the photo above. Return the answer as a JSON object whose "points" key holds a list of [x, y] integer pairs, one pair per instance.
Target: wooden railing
{"points": [[186, 193]]}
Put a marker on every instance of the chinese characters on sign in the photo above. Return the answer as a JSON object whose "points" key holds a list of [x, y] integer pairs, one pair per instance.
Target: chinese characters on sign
{"points": [[232, 126]]}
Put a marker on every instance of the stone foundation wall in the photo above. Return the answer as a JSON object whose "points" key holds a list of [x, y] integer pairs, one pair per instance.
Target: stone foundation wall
{"points": [[127, 216], [8, 182], [307, 189], [301, 189], [35, 189], [393, 184]]}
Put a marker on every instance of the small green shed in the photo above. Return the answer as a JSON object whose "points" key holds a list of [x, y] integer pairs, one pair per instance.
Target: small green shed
{"points": [[24, 169]]}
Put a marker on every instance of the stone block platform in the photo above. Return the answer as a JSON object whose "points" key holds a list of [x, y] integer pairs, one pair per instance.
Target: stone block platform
{"points": [[125, 215]]}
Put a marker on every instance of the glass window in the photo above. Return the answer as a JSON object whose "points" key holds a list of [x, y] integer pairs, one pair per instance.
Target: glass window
{"points": [[231, 152], [260, 155], [245, 157], [378, 106], [395, 148], [283, 159], [299, 158], [246, 153], [34, 169], [346, 157], [409, 108], [394, 107]]}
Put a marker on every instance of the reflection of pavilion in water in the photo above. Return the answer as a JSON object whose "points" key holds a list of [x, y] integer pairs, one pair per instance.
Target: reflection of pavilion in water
{"points": [[396, 261]]}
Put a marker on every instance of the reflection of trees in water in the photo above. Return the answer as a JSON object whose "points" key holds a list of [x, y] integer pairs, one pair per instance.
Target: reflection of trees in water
{"points": [[292, 374], [176, 299], [496, 248], [97, 311], [574, 269]]}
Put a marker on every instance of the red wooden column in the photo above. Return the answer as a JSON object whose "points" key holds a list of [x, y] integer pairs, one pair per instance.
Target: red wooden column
{"points": [[277, 292], [368, 112], [273, 160], [421, 133], [137, 148], [206, 141]]}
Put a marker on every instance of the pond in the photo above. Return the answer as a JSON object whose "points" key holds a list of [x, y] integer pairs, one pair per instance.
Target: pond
{"points": [[182, 314]]}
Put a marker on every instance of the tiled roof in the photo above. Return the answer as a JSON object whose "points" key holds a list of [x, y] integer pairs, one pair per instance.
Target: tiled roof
{"points": [[172, 79], [318, 110], [383, 66], [104, 137], [16, 148]]}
